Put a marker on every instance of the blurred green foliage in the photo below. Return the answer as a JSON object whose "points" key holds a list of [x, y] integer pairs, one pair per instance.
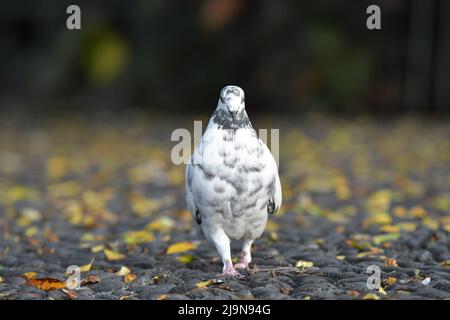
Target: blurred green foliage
{"points": [[161, 55]]}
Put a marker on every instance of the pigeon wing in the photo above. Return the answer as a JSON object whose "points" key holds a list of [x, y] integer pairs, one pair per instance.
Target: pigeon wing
{"points": [[190, 199], [274, 190]]}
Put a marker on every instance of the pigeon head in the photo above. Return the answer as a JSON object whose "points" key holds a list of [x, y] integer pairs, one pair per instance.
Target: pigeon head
{"points": [[232, 100]]}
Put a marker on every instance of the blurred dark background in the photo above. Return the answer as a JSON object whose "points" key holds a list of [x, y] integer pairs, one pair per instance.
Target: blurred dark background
{"points": [[175, 56]]}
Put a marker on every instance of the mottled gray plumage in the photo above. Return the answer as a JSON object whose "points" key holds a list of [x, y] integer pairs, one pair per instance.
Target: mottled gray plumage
{"points": [[232, 181]]}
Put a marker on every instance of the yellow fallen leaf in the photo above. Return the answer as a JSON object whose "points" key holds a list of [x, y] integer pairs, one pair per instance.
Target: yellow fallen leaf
{"points": [[113, 255], [371, 296], [123, 271], [380, 218], [445, 263], [273, 236], [162, 297], [272, 226], [29, 232], [385, 237], [129, 277], [431, 223], [88, 266], [1, 279], [304, 264], [391, 281], [98, 248], [390, 228], [417, 212], [163, 224], [187, 258], [340, 257], [207, 283], [181, 247], [137, 237], [381, 290], [57, 167]]}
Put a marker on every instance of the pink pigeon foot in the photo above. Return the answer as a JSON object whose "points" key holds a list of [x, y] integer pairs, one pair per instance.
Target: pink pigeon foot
{"points": [[230, 271], [243, 262]]}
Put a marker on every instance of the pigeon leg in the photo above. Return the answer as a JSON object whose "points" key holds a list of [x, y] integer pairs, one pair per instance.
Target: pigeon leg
{"points": [[245, 257], [222, 243]]}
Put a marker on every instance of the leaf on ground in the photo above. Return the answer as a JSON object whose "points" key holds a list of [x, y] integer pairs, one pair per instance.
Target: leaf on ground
{"points": [[272, 226], [380, 218], [391, 262], [445, 264], [163, 224], [113, 255], [371, 296], [90, 280], [357, 244], [390, 281], [353, 293], [130, 277], [29, 275], [340, 257], [385, 237], [186, 258], [137, 237], [207, 283], [181, 247], [381, 290], [1, 279], [46, 284], [87, 267], [72, 294], [123, 271], [301, 264], [98, 248]]}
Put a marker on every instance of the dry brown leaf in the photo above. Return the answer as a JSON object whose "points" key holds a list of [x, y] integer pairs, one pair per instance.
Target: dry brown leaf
{"points": [[353, 293], [72, 294], [29, 275], [46, 284], [90, 280], [129, 277], [391, 262]]}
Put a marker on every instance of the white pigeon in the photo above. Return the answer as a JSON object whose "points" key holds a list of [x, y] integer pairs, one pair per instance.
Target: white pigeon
{"points": [[232, 181]]}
